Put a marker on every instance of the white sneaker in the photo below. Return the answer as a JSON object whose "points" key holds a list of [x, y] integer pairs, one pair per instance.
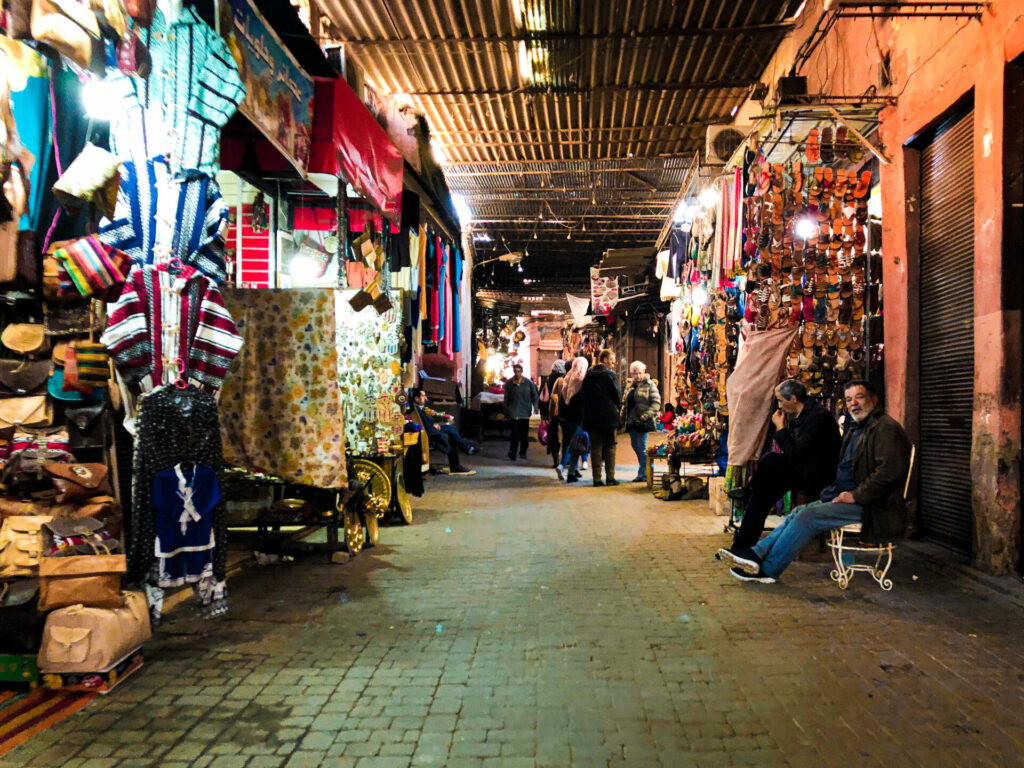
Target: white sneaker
{"points": [[583, 465]]}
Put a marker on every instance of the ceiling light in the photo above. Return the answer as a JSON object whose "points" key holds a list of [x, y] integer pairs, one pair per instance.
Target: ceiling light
{"points": [[709, 197], [519, 267], [525, 67], [584, 226], [569, 236], [534, 235], [461, 209], [734, 111]]}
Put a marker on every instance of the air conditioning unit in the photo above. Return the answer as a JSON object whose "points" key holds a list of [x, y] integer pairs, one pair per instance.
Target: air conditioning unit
{"points": [[722, 141]]}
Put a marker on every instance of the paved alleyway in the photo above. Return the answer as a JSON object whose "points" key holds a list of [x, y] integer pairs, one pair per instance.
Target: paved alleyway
{"points": [[520, 624]]}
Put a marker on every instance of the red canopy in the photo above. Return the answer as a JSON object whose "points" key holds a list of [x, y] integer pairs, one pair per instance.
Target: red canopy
{"points": [[348, 142]]}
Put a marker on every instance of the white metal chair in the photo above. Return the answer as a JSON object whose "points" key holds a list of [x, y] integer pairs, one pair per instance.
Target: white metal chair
{"points": [[843, 572]]}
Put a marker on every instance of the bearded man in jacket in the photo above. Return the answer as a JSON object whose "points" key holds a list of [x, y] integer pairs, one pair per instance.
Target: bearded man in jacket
{"points": [[601, 395]]}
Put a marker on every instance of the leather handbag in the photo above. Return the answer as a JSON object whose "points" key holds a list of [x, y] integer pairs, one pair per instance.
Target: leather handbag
{"points": [[23, 473], [27, 268], [21, 545], [23, 377], [85, 639], [88, 426], [78, 482], [25, 338], [69, 319], [19, 19], [141, 11], [92, 177], [32, 412], [18, 508], [67, 26], [21, 622], [95, 268], [91, 579], [57, 285]]}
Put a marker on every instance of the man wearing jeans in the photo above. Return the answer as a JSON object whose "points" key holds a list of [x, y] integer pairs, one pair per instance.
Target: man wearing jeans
{"points": [[601, 396], [868, 489]]}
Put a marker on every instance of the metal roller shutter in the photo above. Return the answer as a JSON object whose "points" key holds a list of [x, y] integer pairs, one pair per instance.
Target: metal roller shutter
{"points": [[947, 334]]}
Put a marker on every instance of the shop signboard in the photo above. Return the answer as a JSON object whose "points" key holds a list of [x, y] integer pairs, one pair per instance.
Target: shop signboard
{"points": [[278, 93]]}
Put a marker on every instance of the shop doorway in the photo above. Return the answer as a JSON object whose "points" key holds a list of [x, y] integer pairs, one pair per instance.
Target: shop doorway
{"points": [[946, 336]]}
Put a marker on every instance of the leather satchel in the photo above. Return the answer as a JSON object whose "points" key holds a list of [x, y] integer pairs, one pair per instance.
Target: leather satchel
{"points": [[23, 377], [21, 545], [91, 579], [21, 622], [78, 482], [32, 412], [85, 639], [88, 427], [57, 284]]}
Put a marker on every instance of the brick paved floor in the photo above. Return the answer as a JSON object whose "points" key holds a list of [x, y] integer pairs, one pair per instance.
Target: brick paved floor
{"points": [[518, 623]]}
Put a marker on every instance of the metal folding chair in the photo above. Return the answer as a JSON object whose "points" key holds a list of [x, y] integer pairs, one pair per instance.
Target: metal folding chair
{"points": [[843, 572]]}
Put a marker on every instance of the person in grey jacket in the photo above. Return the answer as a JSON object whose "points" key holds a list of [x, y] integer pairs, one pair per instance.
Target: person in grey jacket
{"points": [[521, 400], [640, 407]]}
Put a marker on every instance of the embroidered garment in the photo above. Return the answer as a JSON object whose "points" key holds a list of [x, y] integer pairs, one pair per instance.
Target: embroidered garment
{"points": [[158, 218], [193, 90], [165, 324], [184, 498], [175, 427]]}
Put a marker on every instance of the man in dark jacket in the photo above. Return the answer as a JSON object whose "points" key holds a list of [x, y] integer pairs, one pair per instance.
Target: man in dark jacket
{"points": [[601, 395], [868, 489], [521, 400], [808, 440]]}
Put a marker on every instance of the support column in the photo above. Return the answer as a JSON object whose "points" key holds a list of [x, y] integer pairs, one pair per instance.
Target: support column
{"points": [[996, 448]]}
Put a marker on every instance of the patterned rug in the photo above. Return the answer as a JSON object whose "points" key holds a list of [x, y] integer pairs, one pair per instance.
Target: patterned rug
{"points": [[23, 716]]}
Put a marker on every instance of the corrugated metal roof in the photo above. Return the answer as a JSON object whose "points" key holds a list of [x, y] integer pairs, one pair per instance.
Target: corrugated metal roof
{"points": [[567, 125]]}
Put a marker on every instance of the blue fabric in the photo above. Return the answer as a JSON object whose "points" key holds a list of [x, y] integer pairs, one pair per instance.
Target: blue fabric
{"points": [[187, 555], [844, 474], [782, 545], [31, 110], [456, 297]]}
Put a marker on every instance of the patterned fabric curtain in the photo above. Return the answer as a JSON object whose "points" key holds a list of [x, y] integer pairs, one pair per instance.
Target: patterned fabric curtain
{"points": [[280, 408]]}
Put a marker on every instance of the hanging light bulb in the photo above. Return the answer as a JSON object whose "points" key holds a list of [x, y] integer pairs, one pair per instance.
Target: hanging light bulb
{"points": [[569, 236], [584, 226], [534, 235], [519, 267]]}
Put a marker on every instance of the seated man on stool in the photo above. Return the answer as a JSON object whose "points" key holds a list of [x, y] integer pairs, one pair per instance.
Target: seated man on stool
{"points": [[868, 489], [444, 437], [808, 439]]}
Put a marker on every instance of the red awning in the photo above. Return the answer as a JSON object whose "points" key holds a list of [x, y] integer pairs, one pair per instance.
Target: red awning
{"points": [[348, 142]]}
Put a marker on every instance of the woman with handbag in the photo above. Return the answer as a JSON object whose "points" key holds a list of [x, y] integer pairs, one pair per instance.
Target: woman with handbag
{"points": [[569, 413], [640, 407]]}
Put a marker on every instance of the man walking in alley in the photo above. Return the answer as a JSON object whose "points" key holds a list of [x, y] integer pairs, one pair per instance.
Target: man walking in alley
{"points": [[521, 400], [808, 440], [601, 395], [868, 489]]}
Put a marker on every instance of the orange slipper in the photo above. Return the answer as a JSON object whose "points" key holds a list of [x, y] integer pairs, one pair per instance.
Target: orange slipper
{"points": [[798, 177], [812, 148], [863, 186]]}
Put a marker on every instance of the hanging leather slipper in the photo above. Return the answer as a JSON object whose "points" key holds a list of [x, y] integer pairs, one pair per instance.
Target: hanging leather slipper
{"points": [[842, 148], [812, 149], [828, 153], [863, 185], [798, 177]]}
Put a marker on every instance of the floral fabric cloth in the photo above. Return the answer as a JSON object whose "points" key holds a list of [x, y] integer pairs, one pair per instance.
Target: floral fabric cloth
{"points": [[280, 407]]}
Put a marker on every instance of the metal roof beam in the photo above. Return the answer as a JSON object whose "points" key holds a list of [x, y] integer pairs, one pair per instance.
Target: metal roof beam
{"points": [[663, 33], [692, 85]]}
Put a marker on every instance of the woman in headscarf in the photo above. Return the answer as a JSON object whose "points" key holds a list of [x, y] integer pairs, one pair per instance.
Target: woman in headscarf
{"points": [[568, 409], [554, 445]]}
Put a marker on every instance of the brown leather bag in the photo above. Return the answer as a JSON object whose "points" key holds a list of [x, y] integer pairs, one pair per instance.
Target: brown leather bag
{"points": [[93, 580], [141, 11], [78, 482], [32, 412], [21, 545], [85, 639], [24, 377]]}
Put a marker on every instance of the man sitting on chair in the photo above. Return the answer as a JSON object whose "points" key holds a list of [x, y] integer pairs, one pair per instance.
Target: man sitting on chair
{"points": [[868, 489], [444, 437], [808, 439]]}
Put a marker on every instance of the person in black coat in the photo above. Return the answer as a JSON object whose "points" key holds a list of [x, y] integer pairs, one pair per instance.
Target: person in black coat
{"points": [[808, 440], [601, 395]]}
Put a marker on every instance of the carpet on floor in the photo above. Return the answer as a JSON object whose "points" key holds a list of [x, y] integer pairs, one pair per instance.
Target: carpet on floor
{"points": [[23, 715]]}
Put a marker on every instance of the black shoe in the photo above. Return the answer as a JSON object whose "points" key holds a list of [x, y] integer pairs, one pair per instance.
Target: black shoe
{"points": [[611, 482], [511, 457], [572, 479], [522, 455], [741, 556], [598, 484], [760, 576], [740, 494]]}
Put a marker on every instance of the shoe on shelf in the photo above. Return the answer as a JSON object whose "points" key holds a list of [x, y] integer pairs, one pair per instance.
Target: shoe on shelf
{"points": [[611, 482], [598, 484], [747, 558], [760, 577], [463, 471], [558, 471]]}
